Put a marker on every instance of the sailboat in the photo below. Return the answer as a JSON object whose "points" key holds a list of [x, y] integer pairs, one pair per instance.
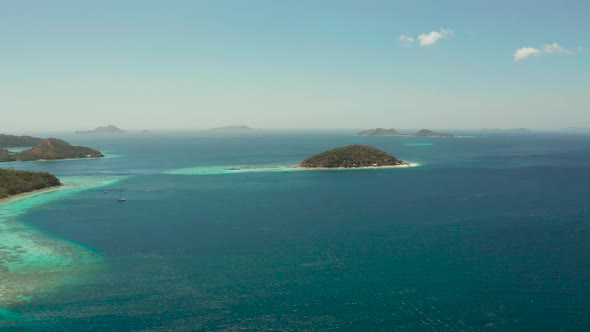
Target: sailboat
{"points": [[122, 199]]}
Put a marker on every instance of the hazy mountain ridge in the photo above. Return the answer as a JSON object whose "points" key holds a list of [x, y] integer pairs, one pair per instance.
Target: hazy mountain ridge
{"points": [[393, 132], [110, 129]]}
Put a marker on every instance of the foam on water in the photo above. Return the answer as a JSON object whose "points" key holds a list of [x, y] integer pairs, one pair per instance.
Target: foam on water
{"points": [[219, 170], [215, 170], [109, 155], [32, 262]]}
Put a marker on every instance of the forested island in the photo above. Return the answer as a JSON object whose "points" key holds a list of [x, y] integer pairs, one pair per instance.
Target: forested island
{"points": [[393, 132], [110, 129], [352, 156], [378, 132], [13, 182], [43, 149], [430, 133]]}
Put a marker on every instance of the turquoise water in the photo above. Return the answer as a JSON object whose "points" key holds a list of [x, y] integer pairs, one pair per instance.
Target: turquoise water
{"points": [[31, 262], [19, 149], [490, 233]]}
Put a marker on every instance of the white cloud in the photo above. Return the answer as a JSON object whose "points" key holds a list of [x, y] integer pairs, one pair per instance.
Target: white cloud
{"points": [[406, 39], [524, 53], [555, 48], [427, 39]]}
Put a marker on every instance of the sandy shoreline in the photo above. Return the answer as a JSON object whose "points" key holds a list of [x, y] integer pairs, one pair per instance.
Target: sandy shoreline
{"points": [[67, 184], [105, 156], [296, 168], [405, 165], [220, 170], [29, 193]]}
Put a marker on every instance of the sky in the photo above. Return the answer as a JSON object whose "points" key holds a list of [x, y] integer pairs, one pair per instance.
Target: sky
{"points": [[142, 64]]}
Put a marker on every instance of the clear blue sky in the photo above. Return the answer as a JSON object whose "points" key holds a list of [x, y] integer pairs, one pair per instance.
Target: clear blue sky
{"points": [[72, 65]]}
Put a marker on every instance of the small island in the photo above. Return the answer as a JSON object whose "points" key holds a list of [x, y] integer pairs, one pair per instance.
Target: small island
{"points": [[508, 130], [378, 132], [352, 156], [14, 182], [240, 128], [430, 133], [45, 149], [393, 132], [110, 129]]}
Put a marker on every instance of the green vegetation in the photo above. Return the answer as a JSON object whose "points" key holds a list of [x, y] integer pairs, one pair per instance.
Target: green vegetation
{"points": [[352, 156], [11, 141], [13, 182], [50, 149], [378, 132]]}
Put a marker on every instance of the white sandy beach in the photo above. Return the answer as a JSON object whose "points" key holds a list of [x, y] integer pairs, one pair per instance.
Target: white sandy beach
{"points": [[219, 170]]}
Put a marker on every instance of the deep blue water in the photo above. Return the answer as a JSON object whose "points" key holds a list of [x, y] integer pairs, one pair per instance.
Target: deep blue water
{"points": [[490, 233]]}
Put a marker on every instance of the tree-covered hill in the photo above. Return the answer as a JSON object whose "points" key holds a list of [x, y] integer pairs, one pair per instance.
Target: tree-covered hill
{"points": [[53, 148], [50, 149], [378, 132], [350, 157], [11, 141], [430, 133], [13, 182]]}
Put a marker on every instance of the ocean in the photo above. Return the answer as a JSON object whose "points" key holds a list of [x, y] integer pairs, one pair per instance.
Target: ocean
{"points": [[489, 232]]}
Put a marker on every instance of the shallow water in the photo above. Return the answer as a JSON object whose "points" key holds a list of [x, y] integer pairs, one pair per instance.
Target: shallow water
{"points": [[31, 262], [490, 233], [19, 149]]}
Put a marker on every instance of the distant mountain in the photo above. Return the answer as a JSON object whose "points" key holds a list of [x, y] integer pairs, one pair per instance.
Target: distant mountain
{"points": [[393, 132], [378, 132], [110, 129], [11, 141], [510, 130], [233, 128], [50, 149], [430, 133]]}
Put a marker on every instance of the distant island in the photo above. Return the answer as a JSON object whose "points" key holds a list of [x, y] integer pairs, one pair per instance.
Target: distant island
{"points": [[510, 130], [110, 129], [393, 132], [578, 129], [45, 149], [233, 128], [430, 133], [378, 132], [352, 156], [13, 182]]}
